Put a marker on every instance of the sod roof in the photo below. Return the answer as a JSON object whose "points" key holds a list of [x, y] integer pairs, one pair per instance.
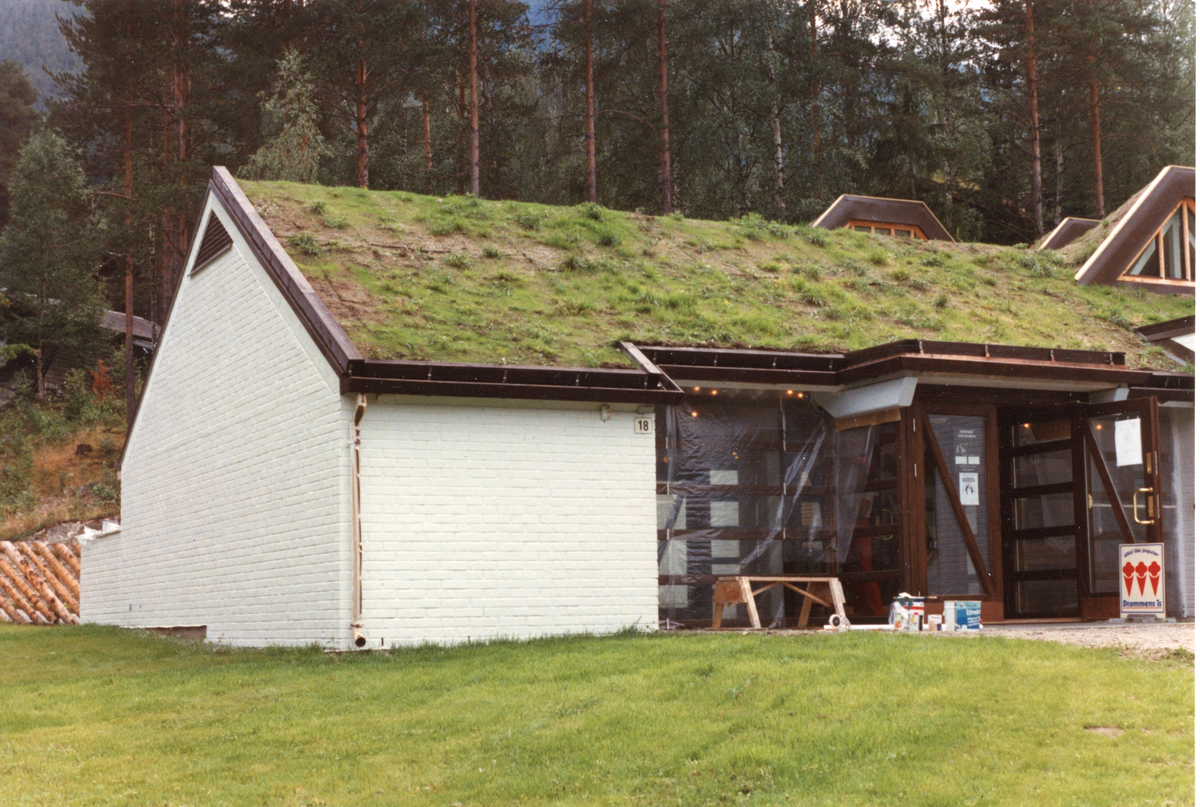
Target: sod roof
{"points": [[466, 280]]}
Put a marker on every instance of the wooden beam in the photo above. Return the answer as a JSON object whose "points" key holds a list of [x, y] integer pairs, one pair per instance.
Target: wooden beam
{"points": [[1109, 488], [960, 515]]}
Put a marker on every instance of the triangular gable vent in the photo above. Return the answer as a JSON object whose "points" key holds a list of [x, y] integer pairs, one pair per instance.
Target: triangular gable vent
{"points": [[216, 240]]}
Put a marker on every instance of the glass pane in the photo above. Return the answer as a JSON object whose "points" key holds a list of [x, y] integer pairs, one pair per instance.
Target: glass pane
{"points": [[1147, 263], [860, 229], [1042, 512], [883, 230], [1119, 438], [1048, 597], [1050, 468], [1027, 434], [904, 233], [1046, 553], [1173, 246], [949, 568], [1191, 245]]}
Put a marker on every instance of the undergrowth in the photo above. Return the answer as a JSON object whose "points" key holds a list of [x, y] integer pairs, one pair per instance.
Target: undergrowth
{"points": [[58, 458]]}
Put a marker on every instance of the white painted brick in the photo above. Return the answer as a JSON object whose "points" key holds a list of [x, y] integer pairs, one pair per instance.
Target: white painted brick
{"points": [[489, 522], [235, 485]]}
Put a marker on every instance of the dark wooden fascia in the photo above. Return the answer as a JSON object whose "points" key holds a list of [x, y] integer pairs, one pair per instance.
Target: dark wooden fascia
{"points": [[1167, 330], [325, 331]]}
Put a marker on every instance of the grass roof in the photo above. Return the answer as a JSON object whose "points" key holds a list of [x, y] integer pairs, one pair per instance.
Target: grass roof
{"points": [[467, 280]]}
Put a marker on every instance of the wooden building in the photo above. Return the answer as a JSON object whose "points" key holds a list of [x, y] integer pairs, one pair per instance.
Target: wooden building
{"points": [[290, 479]]}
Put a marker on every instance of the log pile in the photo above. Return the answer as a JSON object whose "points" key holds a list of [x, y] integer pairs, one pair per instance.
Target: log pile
{"points": [[39, 583]]}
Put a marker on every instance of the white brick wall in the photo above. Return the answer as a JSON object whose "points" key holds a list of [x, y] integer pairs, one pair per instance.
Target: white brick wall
{"points": [[236, 504], [484, 521]]}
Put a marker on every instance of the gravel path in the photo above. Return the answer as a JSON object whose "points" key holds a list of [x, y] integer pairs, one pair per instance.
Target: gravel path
{"points": [[1143, 641]]}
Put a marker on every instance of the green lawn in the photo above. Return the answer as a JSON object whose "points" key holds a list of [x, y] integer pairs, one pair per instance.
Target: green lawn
{"points": [[92, 716]]}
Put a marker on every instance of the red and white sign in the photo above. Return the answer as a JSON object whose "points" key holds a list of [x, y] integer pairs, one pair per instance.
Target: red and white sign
{"points": [[1143, 589]]}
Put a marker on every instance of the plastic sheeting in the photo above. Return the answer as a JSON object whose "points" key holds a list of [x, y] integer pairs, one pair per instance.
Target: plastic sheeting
{"points": [[1177, 449], [749, 486]]}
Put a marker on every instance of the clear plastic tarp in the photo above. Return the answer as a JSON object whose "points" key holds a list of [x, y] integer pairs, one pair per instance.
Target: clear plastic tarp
{"points": [[760, 485], [1177, 450]]}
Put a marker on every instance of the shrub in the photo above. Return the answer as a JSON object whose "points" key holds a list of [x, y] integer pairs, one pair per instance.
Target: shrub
{"points": [[305, 243]]}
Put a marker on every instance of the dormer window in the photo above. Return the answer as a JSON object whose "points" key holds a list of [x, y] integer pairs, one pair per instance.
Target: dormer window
{"points": [[887, 228], [1171, 253]]}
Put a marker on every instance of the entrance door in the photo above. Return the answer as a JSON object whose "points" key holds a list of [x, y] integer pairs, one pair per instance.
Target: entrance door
{"points": [[1038, 514], [1077, 482], [1120, 502]]}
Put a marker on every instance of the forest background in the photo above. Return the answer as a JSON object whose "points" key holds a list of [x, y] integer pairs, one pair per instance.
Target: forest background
{"points": [[1002, 115]]}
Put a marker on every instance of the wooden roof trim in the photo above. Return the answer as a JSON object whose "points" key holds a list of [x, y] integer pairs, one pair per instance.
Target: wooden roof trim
{"points": [[1138, 227], [1069, 229], [911, 357], [328, 335], [529, 382], [911, 212], [1168, 329]]}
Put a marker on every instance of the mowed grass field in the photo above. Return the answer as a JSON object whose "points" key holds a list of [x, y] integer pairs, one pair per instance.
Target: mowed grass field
{"points": [[99, 716]]}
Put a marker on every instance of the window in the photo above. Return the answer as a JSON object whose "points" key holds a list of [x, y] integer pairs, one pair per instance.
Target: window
{"points": [[1171, 253], [887, 228]]}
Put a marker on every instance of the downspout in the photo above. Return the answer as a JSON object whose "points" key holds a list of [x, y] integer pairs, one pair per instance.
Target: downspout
{"points": [[360, 641]]}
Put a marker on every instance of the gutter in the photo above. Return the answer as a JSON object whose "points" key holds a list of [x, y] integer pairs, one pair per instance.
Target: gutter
{"points": [[360, 640]]}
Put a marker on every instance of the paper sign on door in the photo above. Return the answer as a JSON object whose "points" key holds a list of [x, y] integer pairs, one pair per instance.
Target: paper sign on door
{"points": [[968, 489]]}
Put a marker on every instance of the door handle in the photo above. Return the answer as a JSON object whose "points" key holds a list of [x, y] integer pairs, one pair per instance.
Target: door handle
{"points": [[1147, 504]]}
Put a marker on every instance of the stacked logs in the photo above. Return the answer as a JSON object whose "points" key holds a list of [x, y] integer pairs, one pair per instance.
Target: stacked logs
{"points": [[39, 583]]}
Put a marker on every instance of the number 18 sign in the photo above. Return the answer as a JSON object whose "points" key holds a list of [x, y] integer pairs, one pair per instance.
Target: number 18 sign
{"points": [[1142, 582]]}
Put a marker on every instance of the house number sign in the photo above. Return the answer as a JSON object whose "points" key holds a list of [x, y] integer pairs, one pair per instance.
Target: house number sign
{"points": [[643, 424]]}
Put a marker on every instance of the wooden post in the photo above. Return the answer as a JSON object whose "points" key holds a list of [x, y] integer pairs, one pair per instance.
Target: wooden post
{"points": [[52, 579], [31, 597], [61, 572], [17, 608], [69, 556]]}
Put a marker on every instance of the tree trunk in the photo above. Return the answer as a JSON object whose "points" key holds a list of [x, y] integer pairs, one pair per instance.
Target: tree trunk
{"points": [[776, 133], [590, 98], [815, 110], [664, 179], [360, 122], [473, 70], [1035, 136], [428, 146], [1097, 160], [130, 394], [1058, 178]]}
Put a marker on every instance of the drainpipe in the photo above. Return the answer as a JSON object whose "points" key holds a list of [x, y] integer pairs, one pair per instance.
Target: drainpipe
{"points": [[360, 640]]}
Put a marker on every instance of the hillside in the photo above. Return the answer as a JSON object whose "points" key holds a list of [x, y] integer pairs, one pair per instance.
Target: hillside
{"points": [[467, 280], [29, 35]]}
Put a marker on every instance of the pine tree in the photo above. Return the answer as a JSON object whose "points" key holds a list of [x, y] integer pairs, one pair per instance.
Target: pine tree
{"points": [[294, 147], [17, 117], [49, 255]]}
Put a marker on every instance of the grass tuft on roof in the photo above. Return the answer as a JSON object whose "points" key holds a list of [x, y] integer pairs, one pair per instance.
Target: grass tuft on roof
{"points": [[469, 280]]}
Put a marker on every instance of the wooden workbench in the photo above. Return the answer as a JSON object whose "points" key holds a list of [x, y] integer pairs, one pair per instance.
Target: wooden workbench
{"points": [[740, 590]]}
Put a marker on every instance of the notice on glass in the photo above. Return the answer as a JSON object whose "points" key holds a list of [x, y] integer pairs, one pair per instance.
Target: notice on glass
{"points": [[1128, 434], [968, 489]]}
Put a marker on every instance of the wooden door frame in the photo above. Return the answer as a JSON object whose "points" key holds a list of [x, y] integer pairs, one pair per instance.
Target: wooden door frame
{"points": [[1099, 606], [915, 422]]}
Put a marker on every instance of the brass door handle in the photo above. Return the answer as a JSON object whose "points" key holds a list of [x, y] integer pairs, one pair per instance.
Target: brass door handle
{"points": [[1146, 505]]}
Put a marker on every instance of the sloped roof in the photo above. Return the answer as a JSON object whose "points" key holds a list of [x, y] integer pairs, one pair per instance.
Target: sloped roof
{"points": [[1067, 231], [456, 290], [847, 208], [1123, 235]]}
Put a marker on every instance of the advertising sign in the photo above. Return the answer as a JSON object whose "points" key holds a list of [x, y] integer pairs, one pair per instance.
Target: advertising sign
{"points": [[1143, 589]]}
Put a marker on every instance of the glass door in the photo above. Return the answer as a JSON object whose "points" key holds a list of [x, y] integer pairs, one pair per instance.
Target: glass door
{"points": [[1123, 504], [1038, 514]]}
